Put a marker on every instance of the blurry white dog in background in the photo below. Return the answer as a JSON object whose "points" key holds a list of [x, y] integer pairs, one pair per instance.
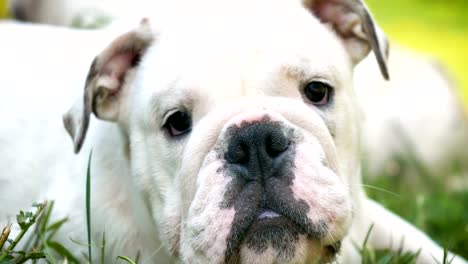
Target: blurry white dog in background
{"points": [[416, 113]]}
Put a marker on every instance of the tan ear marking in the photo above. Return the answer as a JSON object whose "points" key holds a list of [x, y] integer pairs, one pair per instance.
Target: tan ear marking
{"points": [[106, 77], [353, 22]]}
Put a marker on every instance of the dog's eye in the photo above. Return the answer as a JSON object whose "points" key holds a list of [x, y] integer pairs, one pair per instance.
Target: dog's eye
{"points": [[318, 92], [178, 123]]}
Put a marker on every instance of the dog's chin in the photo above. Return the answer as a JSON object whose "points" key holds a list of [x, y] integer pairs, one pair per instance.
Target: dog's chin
{"points": [[273, 238]]}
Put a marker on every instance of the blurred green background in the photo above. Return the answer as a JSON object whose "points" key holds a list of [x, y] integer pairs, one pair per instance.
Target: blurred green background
{"points": [[436, 27]]}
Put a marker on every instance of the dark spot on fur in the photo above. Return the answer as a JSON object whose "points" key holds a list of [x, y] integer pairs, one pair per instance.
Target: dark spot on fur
{"points": [[92, 72], [279, 233], [331, 251], [335, 248]]}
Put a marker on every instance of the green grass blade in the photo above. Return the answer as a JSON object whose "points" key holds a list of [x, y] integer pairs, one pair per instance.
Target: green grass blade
{"points": [[366, 239], [30, 256], [46, 217], [103, 247], [63, 251], [137, 258], [81, 243], [88, 205], [54, 227], [50, 258], [25, 223], [126, 259], [385, 259]]}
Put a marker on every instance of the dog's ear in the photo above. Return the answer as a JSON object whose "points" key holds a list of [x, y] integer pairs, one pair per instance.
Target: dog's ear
{"points": [[353, 22], [108, 75]]}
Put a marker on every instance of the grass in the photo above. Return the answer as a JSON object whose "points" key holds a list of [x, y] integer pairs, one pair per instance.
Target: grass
{"points": [[41, 244], [424, 198], [370, 256], [63, 255], [429, 203], [88, 208], [25, 221]]}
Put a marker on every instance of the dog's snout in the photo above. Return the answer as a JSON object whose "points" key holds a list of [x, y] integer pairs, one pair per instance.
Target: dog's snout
{"points": [[257, 150]]}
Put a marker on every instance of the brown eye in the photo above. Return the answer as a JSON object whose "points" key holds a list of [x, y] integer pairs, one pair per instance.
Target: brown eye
{"points": [[178, 124], [318, 92]]}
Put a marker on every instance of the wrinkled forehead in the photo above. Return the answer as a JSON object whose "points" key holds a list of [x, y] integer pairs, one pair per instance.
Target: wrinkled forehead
{"points": [[230, 46]]}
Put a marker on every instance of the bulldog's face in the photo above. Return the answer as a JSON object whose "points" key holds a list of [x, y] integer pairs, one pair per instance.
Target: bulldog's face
{"points": [[240, 122]]}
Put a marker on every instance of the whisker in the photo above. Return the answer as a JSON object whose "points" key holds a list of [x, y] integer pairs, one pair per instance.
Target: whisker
{"points": [[148, 258], [378, 189]]}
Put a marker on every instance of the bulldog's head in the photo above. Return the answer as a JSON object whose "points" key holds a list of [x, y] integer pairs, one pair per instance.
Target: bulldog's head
{"points": [[241, 124]]}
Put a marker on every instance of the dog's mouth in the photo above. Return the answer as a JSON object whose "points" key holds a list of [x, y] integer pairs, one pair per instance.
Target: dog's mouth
{"points": [[284, 237], [270, 229], [268, 225], [268, 218], [271, 221], [283, 232], [267, 214]]}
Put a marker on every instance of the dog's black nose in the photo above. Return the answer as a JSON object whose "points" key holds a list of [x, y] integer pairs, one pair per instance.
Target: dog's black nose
{"points": [[257, 151]]}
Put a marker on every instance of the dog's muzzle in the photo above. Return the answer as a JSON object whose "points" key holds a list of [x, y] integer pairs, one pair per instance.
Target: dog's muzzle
{"points": [[267, 191], [260, 159]]}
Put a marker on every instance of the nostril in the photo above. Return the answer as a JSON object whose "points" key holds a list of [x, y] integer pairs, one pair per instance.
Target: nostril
{"points": [[257, 149], [237, 153], [276, 143]]}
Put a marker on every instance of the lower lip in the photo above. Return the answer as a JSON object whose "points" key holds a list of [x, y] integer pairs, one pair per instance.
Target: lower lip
{"points": [[268, 214]]}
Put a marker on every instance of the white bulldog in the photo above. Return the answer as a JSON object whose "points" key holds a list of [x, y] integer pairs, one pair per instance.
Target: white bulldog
{"points": [[233, 136], [401, 120]]}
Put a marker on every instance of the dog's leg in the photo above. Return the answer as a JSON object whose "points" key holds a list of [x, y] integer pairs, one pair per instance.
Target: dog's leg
{"points": [[391, 231]]}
